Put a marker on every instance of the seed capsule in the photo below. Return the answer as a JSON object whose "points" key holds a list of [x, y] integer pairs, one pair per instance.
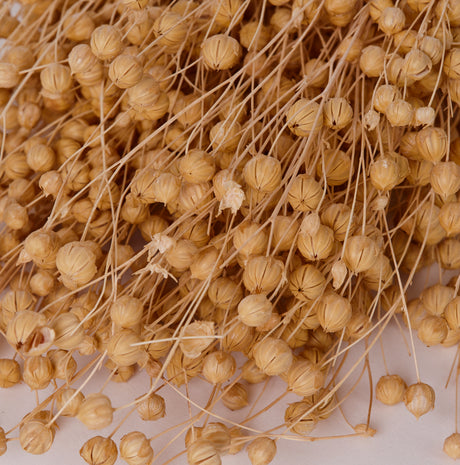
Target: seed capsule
{"points": [[70, 401], [305, 193], [452, 446], [272, 356], [390, 389], [135, 449], [432, 330], [445, 178], [218, 367], [125, 71], [96, 411], [99, 451], [203, 452], [36, 437], [372, 61], [263, 173], [10, 373], [419, 399], [262, 274], [359, 253], [152, 408], [106, 42], [221, 52], [304, 117], [236, 397], [431, 143], [170, 30], [261, 451], [334, 312]]}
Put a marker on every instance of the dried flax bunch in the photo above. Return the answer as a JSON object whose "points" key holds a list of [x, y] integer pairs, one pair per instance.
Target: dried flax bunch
{"points": [[225, 190]]}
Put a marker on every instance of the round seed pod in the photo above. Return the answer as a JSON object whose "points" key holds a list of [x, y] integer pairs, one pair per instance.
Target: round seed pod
{"points": [[196, 166], [206, 264], [424, 116], [317, 246], [227, 12], [350, 49], [236, 397], [272, 356], [68, 332], [452, 446], [13, 302], [307, 283], [391, 20], [10, 373], [371, 61], [254, 36], [384, 173], [225, 136], [359, 253], [250, 239], [436, 298], [431, 143], [284, 232], [96, 411], [122, 350], [203, 452], [29, 115], [419, 399], [417, 65], [181, 255], [390, 389], [126, 311], [218, 367], [449, 254], [337, 167], [304, 378], [445, 178], [201, 335], [70, 400], [38, 372], [251, 373], [452, 313], [219, 436], [56, 78], [432, 330], [99, 451], [334, 312], [399, 113], [106, 42], [82, 60], [262, 274], [15, 216], [305, 193], [76, 262], [152, 408], [125, 71], [9, 75], [384, 95], [255, 310], [40, 158], [135, 449], [261, 451], [298, 420], [451, 65], [221, 52], [263, 173], [170, 30], [338, 217], [36, 437], [240, 338], [78, 27], [304, 117], [3, 442], [64, 365], [158, 349], [338, 113]]}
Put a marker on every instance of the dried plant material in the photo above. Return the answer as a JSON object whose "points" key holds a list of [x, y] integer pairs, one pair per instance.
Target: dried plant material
{"points": [[261, 451], [419, 399], [390, 389], [96, 412], [99, 451]]}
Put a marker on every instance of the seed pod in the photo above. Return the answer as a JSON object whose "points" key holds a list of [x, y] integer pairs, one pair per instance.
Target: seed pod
{"points": [[391, 20], [337, 113], [250, 239], [417, 65], [452, 446], [272, 356], [197, 166], [56, 79], [135, 449], [221, 52], [10, 373], [38, 372], [307, 283], [263, 173], [372, 61], [152, 408], [15, 216], [225, 136], [261, 451], [69, 333], [218, 367], [201, 334], [359, 253], [236, 397], [251, 373], [262, 274], [3, 442], [70, 400], [305, 193], [126, 311], [203, 452], [78, 27], [445, 178], [384, 173], [99, 451], [76, 262], [399, 113], [240, 338], [451, 66], [432, 330], [431, 143], [106, 42], [122, 348], [125, 71], [424, 116], [384, 95], [284, 231], [334, 312], [170, 30], [64, 365], [227, 12], [317, 246], [298, 420], [452, 313], [13, 302], [350, 48], [436, 298], [304, 378], [36, 437], [96, 411], [219, 436], [9, 76], [419, 399], [337, 167], [390, 389], [304, 117], [255, 310]]}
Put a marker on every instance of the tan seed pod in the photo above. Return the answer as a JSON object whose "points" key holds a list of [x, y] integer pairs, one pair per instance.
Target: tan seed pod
{"points": [[338, 113], [126, 311], [38, 372], [9, 75], [152, 408], [284, 231], [14, 301], [135, 449], [390, 389], [272, 356], [99, 451], [10, 373], [78, 27], [305, 193], [36, 437], [263, 173], [261, 451], [419, 399], [200, 334], [202, 452], [334, 312], [304, 117], [424, 116], [436, 298], [307, 283], [219, 436], [449, 254], [298, 420], [251, 373], [3, 442], [96, 412], [122, 348], [224, 293], [452, 313], [384, 95], [82, 60], [76, 263], [41, 158], [221, 52], [337, 167], [451, 65], [125, 71], [170, 29], [417, 65], [372, 61], [359, 253], [431, 143], [106, 42], [432, 330], [317, 246], [196, 166], [262, 274], [399, 113], [69, 400], [384, 173], [235, 397], [15, 216], [227, 12], [240, 338], [304, 378], [445, 178], [250, 239], [64, 365], [255, 310], [56, 78], [68, 331], [452, 446], [225, 135], [392, 20]]}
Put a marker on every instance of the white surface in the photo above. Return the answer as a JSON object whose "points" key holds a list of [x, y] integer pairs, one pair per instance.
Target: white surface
{"points": [[400, 439]]}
